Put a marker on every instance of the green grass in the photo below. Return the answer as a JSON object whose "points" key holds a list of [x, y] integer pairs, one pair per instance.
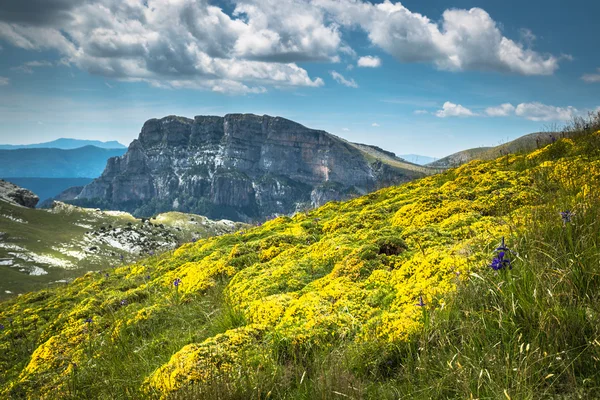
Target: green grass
{"points": [[531, 332]]}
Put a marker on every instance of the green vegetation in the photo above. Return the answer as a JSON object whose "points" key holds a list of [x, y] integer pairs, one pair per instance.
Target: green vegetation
{"points": [[384, 296], [39, 248]]}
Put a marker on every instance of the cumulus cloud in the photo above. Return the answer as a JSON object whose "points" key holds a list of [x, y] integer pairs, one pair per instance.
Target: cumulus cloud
{"points": [[542, 112], [339, 78], [462, 40], [258, 43], [345, 129], [180, 43], [503, 110], [369, 62], [592, 78], [454, 110], [4, 81], [375, 125]]}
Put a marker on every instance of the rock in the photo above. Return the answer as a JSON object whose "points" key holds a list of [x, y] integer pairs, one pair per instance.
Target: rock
{"points": [[17, 195], [241, 167]]}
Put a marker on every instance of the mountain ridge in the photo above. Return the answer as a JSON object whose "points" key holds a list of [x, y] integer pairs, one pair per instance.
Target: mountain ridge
{"points": [[65, 144], [239, 166]]}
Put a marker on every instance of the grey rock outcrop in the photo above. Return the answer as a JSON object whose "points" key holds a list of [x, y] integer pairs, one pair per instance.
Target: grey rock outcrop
{"points": [[240, 166], [17, 195]]}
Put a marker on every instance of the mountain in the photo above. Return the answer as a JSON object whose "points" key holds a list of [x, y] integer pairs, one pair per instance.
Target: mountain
{"points": [[478, 282], [417, 158], [65, 144], [51, 188], [83, 162], [241, 167], [524, 143], [45, 247]]}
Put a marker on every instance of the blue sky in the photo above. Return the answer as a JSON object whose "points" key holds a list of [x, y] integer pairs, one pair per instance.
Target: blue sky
{"points": [[427, 77]]}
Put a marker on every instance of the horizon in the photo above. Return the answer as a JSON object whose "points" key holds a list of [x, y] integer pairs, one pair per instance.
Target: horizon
{"points": [[429, 79]]}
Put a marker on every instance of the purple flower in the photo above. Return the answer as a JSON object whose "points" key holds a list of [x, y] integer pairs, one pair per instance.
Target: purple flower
{"points": [[566, 216], [499, 262], [106, 275], [177, 282], [420, 303], [151, 252], [1, 327], [148, 277], [123, 302], [89, 320]]}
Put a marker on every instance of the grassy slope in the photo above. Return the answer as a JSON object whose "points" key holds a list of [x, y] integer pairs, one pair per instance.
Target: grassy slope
{"points": [[323, 305], [522, 144], [61, 234], [373, 153]]}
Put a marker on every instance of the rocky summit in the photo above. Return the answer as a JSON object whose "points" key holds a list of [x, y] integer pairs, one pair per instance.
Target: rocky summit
{"points": [[241, 166]]}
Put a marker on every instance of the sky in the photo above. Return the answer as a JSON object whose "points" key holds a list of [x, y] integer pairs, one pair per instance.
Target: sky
{"points": [[430, 77]]}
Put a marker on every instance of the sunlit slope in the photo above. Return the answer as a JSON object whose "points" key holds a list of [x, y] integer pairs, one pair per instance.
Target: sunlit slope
{"points": [[45, 247], [230, 308]]}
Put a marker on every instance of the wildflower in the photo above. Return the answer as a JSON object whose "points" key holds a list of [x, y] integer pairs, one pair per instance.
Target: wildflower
{"points": [[151, 252], [88, 320], [148, 277], [502, 246], [177, 282], [499, 262], [106, 274], [420, 303], [1, 327], [123, 302], [121, 257], [566, 216]]}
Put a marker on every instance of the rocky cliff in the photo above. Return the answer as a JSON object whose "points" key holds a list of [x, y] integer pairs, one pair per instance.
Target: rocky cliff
{"points": [[241, 167], [16, 195]]}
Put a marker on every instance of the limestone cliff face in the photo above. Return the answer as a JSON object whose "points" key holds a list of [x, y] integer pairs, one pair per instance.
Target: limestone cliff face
{"points": [[240, 166]]}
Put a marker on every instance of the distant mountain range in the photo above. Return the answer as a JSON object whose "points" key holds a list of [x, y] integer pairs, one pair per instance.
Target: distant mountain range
{"points": [[417, 158], [65, 144], [83, 162]]}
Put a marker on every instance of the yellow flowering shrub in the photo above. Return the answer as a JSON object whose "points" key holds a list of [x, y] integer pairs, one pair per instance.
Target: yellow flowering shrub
{"points": [[356, 271]]}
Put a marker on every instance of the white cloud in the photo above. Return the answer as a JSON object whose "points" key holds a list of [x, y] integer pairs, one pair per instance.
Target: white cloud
{"points": [[503, 110], [174, 43], [592, 78], [375, 124], [345, 129], [463, 40], [542, 112], [454, 110], [4, 81], [183, 43], [420, 112], [339, 78], [369, 61], [29, 66]]}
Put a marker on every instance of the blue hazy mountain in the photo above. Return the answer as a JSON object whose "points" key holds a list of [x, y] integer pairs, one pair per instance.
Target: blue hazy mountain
{"points": [[83, 162], [65, 144], [417, 159]]}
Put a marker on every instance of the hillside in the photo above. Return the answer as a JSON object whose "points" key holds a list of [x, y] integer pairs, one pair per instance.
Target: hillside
{"points": [[49, 247], [385, 296], [65, 144], [84, 162], [522, 144], [242, 167]]}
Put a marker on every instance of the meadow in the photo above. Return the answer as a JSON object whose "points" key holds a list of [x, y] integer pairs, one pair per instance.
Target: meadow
{"points": [[478, 282]]}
